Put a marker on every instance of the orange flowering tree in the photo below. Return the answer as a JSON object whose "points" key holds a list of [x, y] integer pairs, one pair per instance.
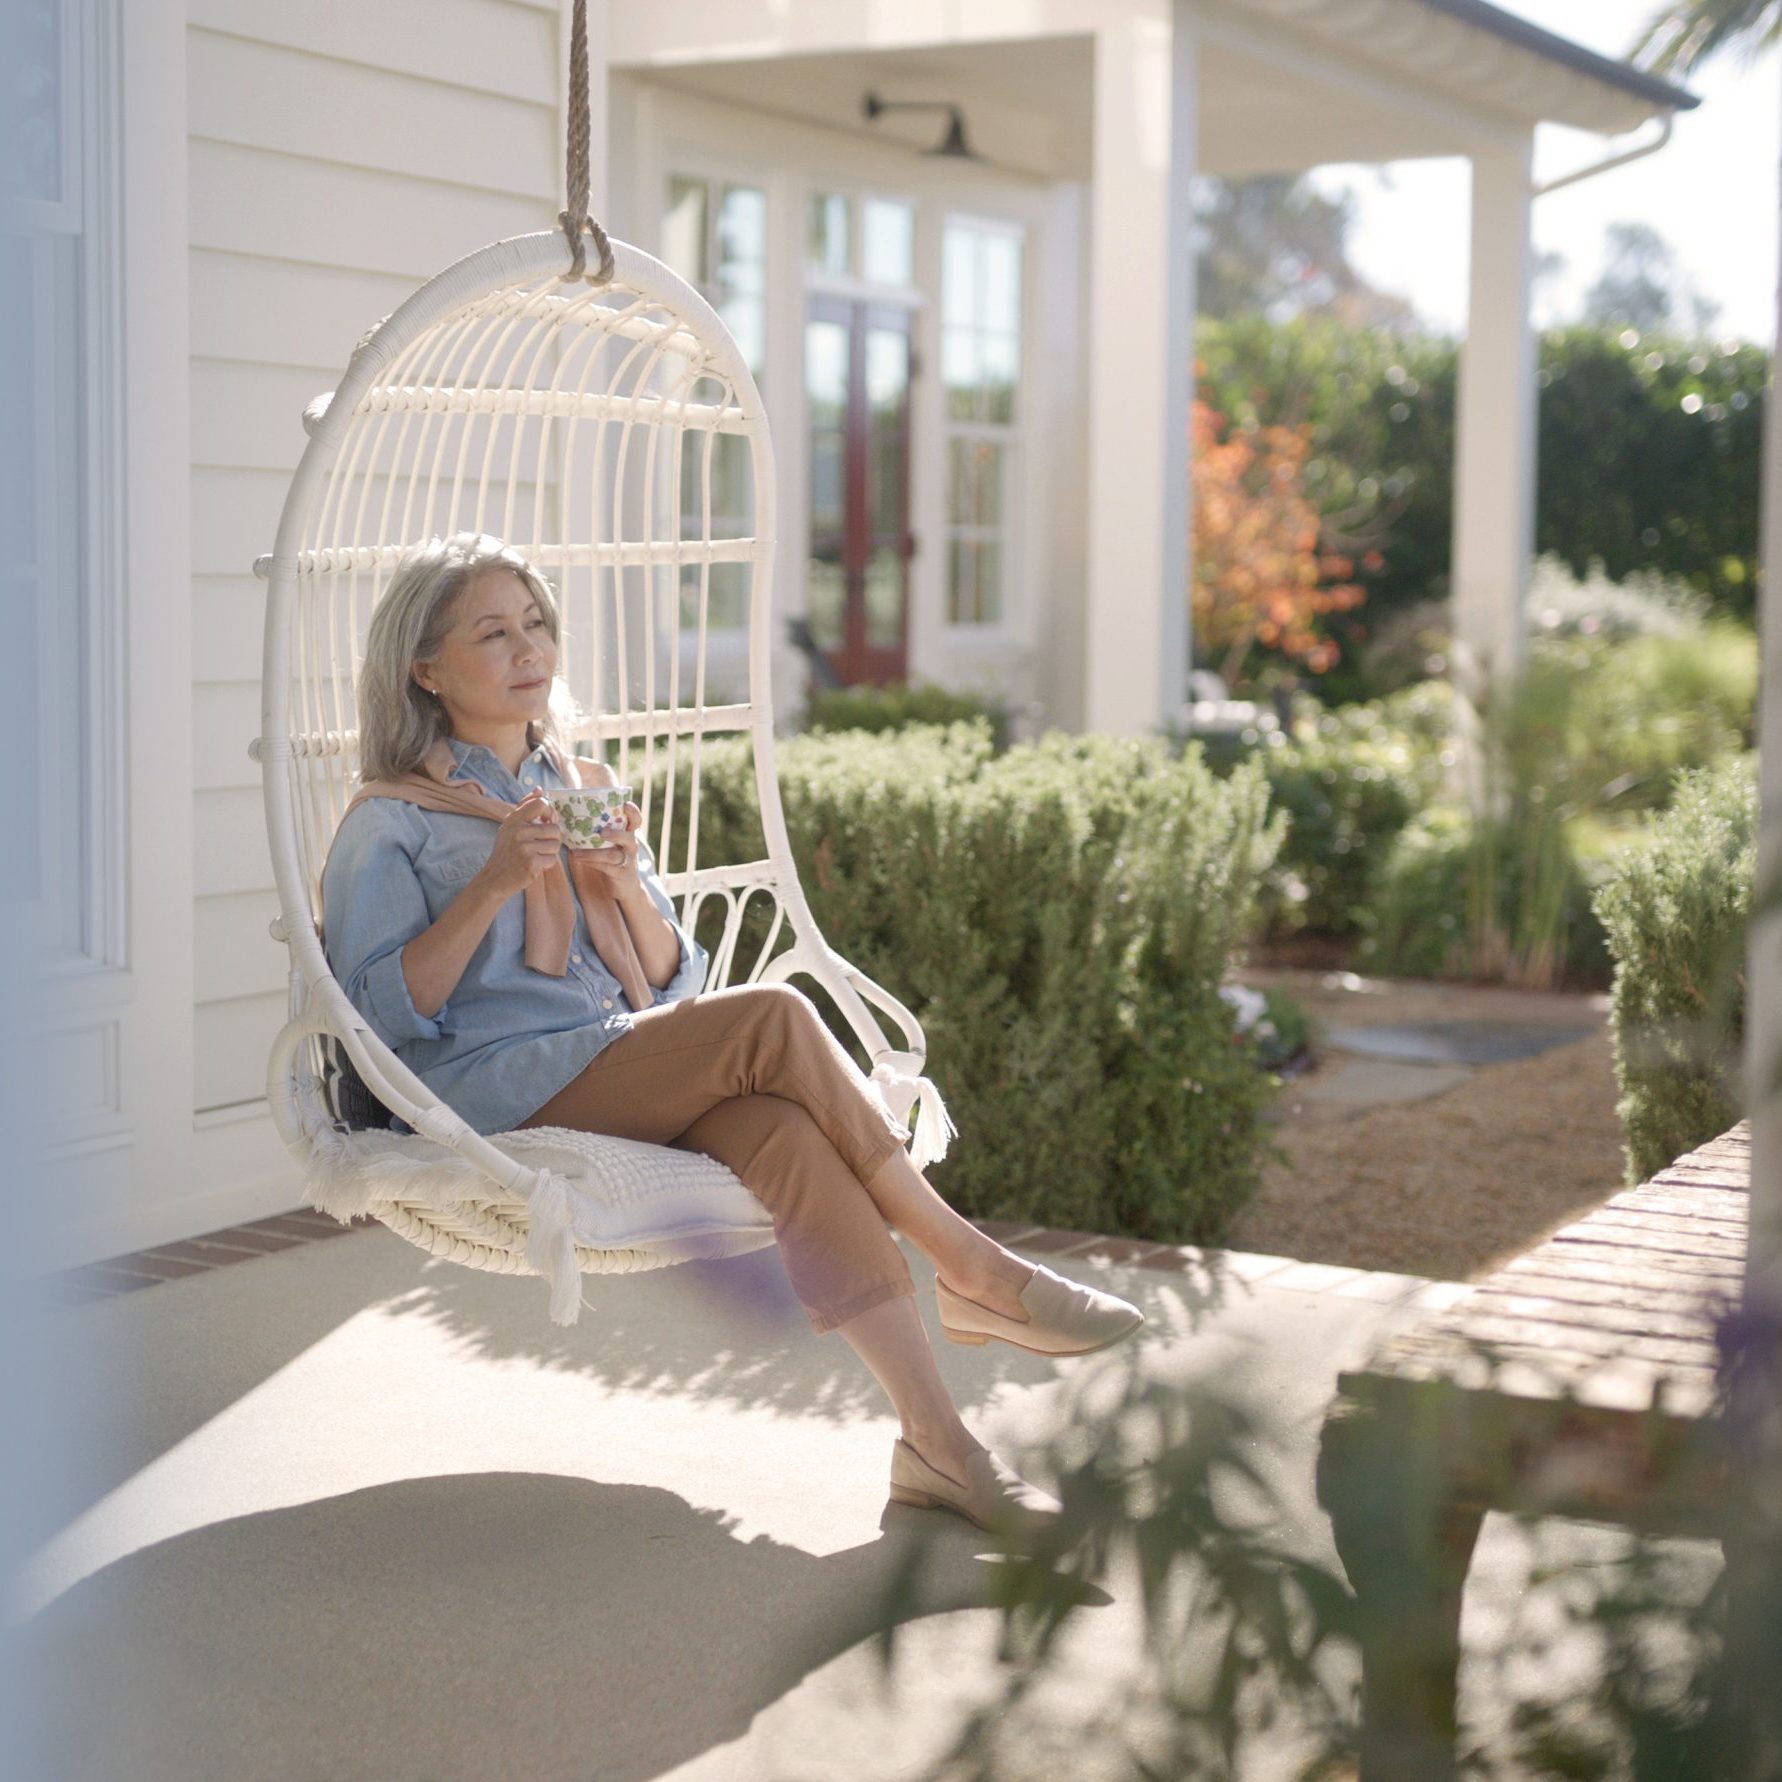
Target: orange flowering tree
{"points": [[1261, 574]]}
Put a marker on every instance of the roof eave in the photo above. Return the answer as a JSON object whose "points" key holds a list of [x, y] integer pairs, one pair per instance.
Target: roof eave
{"points": [[1483, 16]]}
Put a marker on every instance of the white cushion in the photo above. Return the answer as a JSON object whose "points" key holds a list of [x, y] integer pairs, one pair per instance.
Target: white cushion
{"points": [[626, 1193]]}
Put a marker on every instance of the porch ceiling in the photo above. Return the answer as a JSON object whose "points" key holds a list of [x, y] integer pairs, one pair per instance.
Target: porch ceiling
{"points": [[1026, 102], [1273, 99], [1028, 110]]}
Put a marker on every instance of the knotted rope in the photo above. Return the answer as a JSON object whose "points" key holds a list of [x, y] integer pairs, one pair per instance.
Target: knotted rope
{"points": [[575, 221]]}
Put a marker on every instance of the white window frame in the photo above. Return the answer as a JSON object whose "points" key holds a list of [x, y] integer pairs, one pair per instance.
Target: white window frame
{"points": [[684, 161], [86, 625], [1007, 628], [697, 167], [854, 283]]}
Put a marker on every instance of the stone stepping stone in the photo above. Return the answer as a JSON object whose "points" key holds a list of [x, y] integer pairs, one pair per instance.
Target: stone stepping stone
{"points": [[1368, 1082], [1459, 1042]]}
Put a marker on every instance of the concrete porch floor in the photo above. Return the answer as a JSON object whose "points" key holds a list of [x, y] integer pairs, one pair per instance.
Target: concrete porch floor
{"points": [[353, 1512]]}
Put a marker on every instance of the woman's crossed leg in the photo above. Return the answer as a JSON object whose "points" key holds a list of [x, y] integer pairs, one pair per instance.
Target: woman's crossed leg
{"points": [[752, 1076], [679, 1060]]}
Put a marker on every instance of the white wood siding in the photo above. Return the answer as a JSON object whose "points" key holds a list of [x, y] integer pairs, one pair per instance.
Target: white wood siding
{"points": [[339, 155]]}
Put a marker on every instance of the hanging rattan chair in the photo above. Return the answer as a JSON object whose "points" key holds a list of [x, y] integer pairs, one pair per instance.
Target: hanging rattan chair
{"points": [[604, 423]]}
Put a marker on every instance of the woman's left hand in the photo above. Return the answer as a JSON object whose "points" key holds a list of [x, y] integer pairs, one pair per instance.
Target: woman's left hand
{"points": [[618, 859]]}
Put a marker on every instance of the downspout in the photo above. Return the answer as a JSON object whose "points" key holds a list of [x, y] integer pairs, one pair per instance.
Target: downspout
{"points": [[1620, 160]]}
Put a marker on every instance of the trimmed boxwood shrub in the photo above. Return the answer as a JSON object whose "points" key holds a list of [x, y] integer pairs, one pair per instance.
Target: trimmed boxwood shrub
{"points": [[1059, 918], [896, 707], [1676, 909]]}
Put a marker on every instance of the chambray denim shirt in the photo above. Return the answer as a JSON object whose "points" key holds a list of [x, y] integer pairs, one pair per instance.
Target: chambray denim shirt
{"points": [[507, 1038]]}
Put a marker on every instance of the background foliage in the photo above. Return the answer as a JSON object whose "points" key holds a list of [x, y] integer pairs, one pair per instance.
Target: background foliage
{"points": [[1262, 574], [1648, 455]]}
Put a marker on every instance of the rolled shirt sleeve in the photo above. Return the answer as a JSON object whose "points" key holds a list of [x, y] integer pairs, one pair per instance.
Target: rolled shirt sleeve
{"points": [[689, 977], [373, 907], [381, 992]]}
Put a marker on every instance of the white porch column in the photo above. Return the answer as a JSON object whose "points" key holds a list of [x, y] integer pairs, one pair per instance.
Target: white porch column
{"points": [[1141, 360], [1494, 444]]}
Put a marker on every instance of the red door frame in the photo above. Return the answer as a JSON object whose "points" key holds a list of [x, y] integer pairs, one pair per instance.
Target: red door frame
{"points": [[858, 659]]}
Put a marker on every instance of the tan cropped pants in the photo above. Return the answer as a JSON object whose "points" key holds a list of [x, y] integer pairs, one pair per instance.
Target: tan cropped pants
{"points": [[753, 1077]]}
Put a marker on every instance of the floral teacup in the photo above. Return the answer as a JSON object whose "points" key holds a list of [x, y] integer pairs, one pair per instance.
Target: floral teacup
{"points": [[589, 814]]}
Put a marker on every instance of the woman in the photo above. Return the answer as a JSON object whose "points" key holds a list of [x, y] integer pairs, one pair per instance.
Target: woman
{"points": [[428, 908]]}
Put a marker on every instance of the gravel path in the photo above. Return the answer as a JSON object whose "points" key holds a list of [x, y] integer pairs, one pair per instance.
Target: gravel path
{"points": [[1452, 1184]]}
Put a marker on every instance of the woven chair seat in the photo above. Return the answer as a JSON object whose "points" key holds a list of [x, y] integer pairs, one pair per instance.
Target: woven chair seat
{"points": [[632, 1206]]}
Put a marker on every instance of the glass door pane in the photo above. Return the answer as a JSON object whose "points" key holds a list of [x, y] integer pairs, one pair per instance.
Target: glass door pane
{"points": [[829, 224], [888, 492], [826, 600], [890, 245], [828, 383], [683, 229]]}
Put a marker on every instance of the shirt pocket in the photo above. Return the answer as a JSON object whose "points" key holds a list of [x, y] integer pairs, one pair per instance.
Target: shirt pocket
{"points": [[455, 851]]}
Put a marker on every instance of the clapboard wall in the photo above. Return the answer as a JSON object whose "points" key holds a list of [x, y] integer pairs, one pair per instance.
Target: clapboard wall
{"points": [[339, 155]]}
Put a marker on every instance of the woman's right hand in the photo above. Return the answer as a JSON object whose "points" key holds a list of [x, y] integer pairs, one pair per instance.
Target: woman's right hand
{"points": [[526, 845]]}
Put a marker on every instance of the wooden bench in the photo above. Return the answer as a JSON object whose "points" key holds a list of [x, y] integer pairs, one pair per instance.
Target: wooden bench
{"points": [[1578, 1380]]}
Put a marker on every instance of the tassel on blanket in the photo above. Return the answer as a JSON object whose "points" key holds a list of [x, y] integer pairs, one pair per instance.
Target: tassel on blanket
{"points": [[914, 1101], [550, 1246]]}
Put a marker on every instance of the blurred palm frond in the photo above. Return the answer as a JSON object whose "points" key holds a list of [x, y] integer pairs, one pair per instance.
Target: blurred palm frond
{"points": [[1687, 33]]}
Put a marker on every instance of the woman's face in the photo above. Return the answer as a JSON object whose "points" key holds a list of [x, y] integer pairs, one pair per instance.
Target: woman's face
{"points": [[496, 663]]}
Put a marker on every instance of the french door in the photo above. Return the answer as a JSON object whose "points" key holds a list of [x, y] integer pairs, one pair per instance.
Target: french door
{"points": [[858, 366]]}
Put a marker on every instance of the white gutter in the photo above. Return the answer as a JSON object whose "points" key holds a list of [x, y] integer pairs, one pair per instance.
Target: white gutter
{"points": [[1668, 119]]}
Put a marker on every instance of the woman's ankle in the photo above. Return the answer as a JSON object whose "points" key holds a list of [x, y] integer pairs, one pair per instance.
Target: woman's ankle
{"points": [[947, 1449], [990, 1275]]}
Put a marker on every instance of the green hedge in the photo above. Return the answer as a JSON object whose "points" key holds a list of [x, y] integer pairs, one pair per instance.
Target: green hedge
{"points": [[1059, 918], [1649, 449], [1676, 910], [1349, 782], [897, 707]]}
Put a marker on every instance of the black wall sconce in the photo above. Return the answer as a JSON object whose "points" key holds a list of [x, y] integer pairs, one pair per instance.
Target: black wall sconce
{"points": [[953, 144]]}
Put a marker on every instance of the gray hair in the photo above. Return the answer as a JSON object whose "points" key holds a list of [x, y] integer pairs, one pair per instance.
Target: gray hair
{"points": [[399, 721]]}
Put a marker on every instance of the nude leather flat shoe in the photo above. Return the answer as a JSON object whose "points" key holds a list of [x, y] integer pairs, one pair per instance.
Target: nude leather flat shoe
{"points": [[1063, 1317], [992, 1494]]}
